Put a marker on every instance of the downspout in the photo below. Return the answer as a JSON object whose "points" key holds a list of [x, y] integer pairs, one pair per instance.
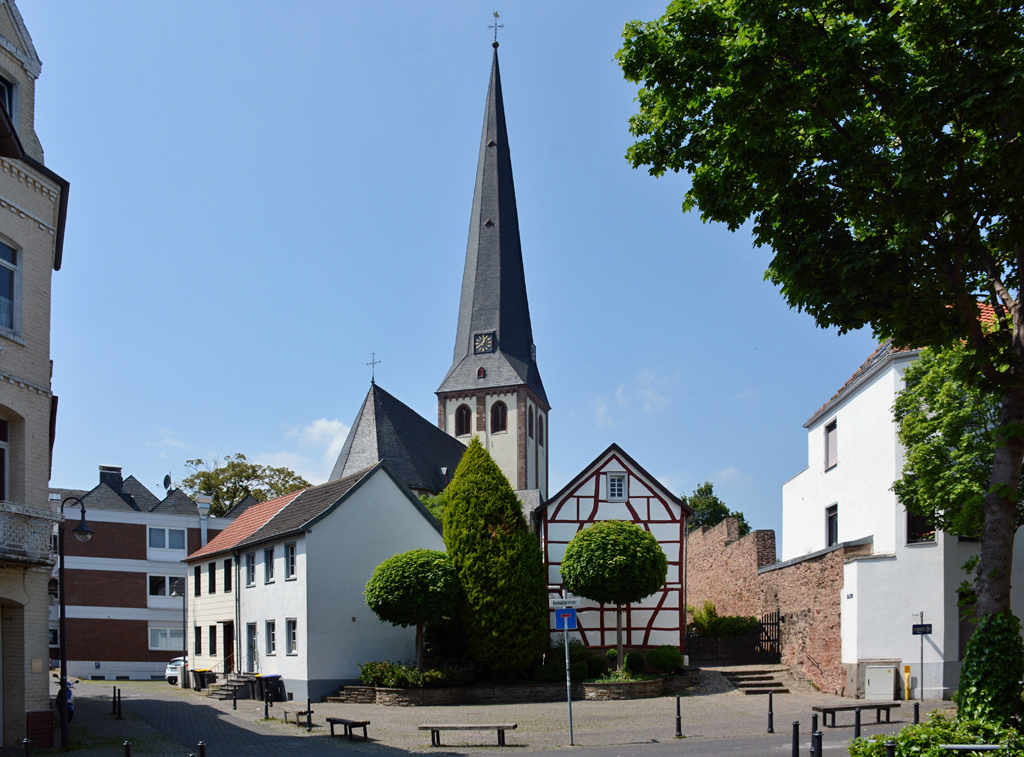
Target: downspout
{"points": [[238, 611], [203, 502]]}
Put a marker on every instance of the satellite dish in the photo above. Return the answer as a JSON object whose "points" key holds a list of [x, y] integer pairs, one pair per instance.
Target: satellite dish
{"points": [[167, 482]]}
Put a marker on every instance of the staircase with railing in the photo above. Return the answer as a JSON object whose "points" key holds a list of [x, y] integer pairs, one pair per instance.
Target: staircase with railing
{"points": [[233, 684]]}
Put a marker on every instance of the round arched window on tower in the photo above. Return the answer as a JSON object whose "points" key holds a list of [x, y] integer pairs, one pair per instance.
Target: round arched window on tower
{"points": [[499, 417], [463, 420], [540, 429], [529, 423]]}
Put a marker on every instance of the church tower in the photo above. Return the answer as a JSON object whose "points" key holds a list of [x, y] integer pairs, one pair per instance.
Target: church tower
{"points": [[493, 389]]}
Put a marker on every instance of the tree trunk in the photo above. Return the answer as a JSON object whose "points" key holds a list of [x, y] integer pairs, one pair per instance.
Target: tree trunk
{"points": [[419, 646], [618, 636], [1000, 508]]}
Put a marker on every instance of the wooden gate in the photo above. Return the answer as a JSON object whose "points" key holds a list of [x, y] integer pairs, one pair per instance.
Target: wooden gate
{"points": [[759, 647]]}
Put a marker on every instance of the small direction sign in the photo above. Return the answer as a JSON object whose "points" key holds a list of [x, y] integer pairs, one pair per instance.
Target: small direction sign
{"points": [[557, 603], [565, 619], [922, 629]]}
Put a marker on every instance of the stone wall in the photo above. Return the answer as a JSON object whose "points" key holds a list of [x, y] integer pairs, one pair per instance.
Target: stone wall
{"points": [[736, 575], [722, 567], [808, 594]]}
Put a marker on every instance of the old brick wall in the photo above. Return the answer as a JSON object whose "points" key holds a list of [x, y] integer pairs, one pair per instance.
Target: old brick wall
{"points": [[722, 567], [808, 595]]}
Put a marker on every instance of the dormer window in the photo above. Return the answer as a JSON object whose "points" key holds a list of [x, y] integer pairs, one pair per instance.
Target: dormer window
{"points": [[7, 98]]}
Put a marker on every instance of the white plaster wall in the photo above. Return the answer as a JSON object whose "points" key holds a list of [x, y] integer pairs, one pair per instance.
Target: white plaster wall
{"points": [[375, 523], [542, 460], [869, 460], [277, 601], [531, 446], [504, 446]]}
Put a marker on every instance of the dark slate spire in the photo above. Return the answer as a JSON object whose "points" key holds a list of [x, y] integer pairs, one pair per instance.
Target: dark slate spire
{"points": [[493, 284], [387, 429]]}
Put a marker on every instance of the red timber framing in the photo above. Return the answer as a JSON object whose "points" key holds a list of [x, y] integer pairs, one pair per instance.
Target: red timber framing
{"points": [[586, 500]]}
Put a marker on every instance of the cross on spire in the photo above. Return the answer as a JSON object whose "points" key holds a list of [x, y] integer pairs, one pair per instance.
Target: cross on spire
{"points": [[374, 362], [496, 26]]}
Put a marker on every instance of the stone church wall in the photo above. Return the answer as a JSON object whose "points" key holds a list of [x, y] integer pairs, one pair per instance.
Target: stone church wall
{"points": [[737, 575]]}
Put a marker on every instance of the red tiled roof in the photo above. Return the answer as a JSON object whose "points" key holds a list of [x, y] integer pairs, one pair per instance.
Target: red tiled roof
{"points": [[245, 525]]}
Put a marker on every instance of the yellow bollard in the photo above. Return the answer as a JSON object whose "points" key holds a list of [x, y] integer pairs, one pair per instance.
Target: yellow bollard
{"points": [[906, 682]]}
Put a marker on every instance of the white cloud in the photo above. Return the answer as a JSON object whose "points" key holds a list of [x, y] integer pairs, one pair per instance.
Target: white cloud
{"points": [[651, 391], [318, 445], [601, 419], [166, 439], [732, 474]]}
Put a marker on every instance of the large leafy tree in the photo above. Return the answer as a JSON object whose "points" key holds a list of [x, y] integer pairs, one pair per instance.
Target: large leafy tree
{"points": [[615, 563], [709, 510], [876, 146], [229, 481], [499, 565], [413, 589]]}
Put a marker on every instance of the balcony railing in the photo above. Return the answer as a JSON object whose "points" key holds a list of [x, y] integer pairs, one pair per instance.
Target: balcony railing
{"points": [[26, 533]]}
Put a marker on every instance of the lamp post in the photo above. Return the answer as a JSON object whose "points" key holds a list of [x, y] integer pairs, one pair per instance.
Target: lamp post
{"points": [[83, 533], [179, 590]]}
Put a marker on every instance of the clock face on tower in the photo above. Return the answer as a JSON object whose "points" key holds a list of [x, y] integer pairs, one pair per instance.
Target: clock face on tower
{"points": [[483, 343]]}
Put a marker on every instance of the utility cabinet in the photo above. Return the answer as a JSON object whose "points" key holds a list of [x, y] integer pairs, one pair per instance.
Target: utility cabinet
{"points": [[880, 682]]}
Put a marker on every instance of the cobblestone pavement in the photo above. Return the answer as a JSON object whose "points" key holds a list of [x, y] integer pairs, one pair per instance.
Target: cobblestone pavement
{"points": [[161, 720]]}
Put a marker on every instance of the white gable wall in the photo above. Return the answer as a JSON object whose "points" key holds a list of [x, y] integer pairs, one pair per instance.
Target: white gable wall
{"points": [[376, 522]]}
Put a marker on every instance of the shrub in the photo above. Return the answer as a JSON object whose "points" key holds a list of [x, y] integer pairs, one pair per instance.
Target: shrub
{"points": [[551, 672], [577, 670], [990, 687], [665, 659], [596, 667], [635, 662], [923, 740], [707, 623], [395, 675], [499, 565], [612, 655]]}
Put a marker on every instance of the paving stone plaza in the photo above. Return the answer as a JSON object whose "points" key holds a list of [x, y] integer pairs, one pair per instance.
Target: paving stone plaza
{"points": [[716, 719]]}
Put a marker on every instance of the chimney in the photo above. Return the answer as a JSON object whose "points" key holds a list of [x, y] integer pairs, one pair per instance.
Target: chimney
{"points": [[111, 476], [203, 503]]}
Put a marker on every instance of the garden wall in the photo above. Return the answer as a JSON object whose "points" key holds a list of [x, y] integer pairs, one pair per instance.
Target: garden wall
{"points": [[722, 567]]}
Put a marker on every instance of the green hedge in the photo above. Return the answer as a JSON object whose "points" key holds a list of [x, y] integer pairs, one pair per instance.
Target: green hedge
{"points": [[395, 675], [923, 740]]}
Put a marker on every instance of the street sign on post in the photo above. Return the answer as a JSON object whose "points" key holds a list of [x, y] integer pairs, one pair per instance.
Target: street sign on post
{"points": [[558, 603], [565, 619], [922, 629]]}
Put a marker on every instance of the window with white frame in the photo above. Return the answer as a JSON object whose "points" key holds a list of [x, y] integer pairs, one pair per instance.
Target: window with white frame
{"points": [[250, 569], [268, 565], [10, 285], [830, 445], [166, 638], [616, 486], [292, 626], [161, 586], [54, 637], [167, 538], [289, 561], [4, 442], [271, 637]]}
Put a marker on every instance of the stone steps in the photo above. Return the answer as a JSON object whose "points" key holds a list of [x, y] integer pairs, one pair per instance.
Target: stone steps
{"points": [[758, 681]]}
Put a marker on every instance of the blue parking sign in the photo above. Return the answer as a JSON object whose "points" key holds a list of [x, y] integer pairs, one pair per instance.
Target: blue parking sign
{"points": [[565, 619]]}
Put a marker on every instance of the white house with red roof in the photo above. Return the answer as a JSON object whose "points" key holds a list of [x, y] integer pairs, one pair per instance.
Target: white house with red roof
{"points": [[902, 567]]}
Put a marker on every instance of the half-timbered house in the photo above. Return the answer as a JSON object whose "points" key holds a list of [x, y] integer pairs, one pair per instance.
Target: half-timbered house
{"points": [[616, 487]]}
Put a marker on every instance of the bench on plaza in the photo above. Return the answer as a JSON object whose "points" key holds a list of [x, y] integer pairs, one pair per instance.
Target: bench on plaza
{"points": [[349, 725], [298, 716], [876, 706], [436, 728]]}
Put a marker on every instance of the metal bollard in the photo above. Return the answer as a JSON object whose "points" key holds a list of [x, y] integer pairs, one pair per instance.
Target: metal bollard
{"points": [[119, 692], [856, 723], [28, 746], [309, 716], [234, 698], [679, 720], [796, 738], [890, 749], [771, 715], [127, 749], [917, 713], [814, 723], [816, 743], [202, 748], [266, 705], [113, 701]]}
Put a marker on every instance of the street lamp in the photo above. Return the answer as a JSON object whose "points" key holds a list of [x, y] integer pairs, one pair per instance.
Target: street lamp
{"points": [[179, 590], [83, 533]]}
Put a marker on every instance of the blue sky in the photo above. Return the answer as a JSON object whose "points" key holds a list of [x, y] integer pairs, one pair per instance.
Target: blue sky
{"points": [[263, 194]]}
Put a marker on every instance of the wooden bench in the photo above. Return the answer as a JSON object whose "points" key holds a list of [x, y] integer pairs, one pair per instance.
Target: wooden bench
{"points": [[349, 725], [436, 728], [298, 716], [876, 706]]}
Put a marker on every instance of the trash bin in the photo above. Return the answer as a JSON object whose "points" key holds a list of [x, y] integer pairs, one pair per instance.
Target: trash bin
{"points": [[272, 688], [251, 684]]}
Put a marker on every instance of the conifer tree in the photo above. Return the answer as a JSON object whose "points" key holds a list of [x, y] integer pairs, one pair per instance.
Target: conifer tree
{"points": [[499, 565]]}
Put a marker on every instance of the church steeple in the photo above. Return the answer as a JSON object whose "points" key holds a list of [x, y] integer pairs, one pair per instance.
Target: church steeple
{"points": [[494, 302], [493, 389]]}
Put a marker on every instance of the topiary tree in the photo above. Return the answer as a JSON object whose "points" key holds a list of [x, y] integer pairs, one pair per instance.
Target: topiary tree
{"points": [[414, 588], [499, 565], [615, 563]]}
